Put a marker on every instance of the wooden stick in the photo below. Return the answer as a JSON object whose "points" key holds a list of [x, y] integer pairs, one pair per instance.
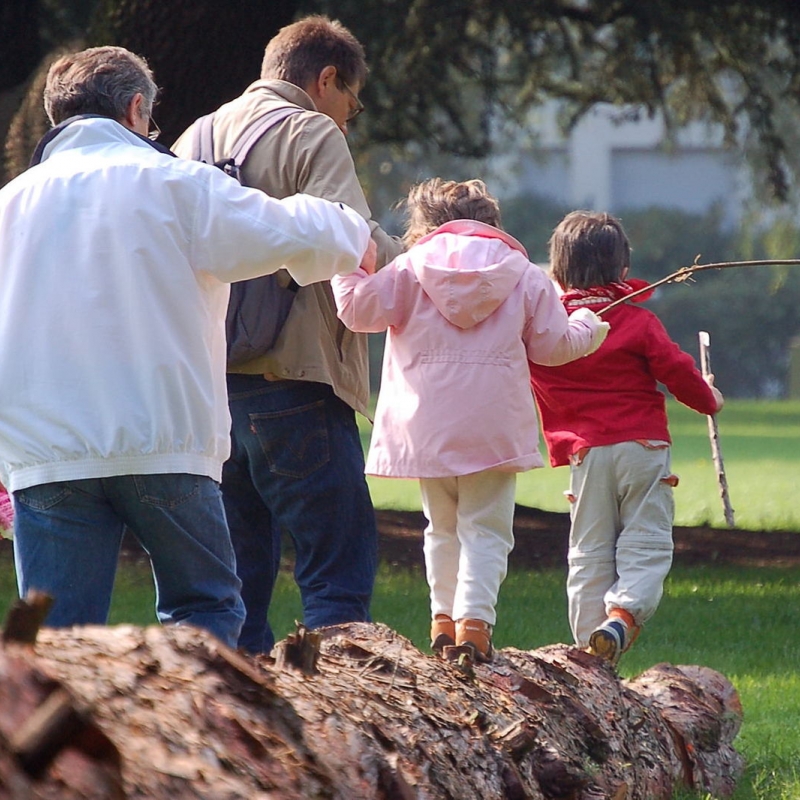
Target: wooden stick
{"points": [[685, 273], [26, 616], [713, 433]]}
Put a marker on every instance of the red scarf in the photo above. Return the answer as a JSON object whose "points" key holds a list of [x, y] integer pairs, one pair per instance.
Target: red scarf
{"points": [[574, 299]]}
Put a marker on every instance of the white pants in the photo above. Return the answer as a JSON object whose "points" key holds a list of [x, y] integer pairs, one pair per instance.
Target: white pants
{"points": [[467, 541], [620, 547]]}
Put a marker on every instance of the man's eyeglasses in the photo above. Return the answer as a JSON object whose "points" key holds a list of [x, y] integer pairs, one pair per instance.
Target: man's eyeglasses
{"points": [[153, 131], [359, 105]]}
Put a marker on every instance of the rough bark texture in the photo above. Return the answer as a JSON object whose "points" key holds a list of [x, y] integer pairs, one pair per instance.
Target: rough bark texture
{"points": [[171, 713]]}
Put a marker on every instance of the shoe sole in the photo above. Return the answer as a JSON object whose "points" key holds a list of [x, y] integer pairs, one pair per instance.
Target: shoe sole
{"points": [[605, 645]]}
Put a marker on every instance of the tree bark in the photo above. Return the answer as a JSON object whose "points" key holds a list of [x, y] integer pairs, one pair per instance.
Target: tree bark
{"points": [[172, 713], [202, 52], [19, 31]]}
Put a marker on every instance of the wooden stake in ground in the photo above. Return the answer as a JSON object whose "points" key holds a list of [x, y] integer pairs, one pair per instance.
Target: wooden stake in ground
{"points": [[713, 433]]}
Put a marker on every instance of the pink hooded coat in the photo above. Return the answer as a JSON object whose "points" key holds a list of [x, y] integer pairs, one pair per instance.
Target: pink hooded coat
{"points": [[464, 310]]}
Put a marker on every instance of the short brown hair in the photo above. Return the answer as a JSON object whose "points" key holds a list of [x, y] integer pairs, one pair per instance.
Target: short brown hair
{"points": [[99, 80], [589, 249], [300, 51], [433, 202]]}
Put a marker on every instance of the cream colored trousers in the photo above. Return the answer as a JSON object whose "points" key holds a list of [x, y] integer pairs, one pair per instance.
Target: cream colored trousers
{"points": [[467, 541], [620, 547]]}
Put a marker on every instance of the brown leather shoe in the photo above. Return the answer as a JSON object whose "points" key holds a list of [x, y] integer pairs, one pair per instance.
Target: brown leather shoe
{"points": [[476, 634], [443, 633]]}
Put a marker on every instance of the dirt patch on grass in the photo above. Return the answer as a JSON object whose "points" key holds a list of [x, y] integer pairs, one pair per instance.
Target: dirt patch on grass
{"points": [[541, 542]]}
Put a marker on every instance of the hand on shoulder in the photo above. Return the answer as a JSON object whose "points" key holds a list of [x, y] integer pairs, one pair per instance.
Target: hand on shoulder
{"points": [[599, 327]]}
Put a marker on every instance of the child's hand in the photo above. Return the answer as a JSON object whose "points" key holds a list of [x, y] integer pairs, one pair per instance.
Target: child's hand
{"points": [[709, 379], [370, 258], [599, 328]]}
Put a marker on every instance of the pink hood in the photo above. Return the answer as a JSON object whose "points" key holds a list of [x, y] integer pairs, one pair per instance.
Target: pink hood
{"points": [[468, 269]]}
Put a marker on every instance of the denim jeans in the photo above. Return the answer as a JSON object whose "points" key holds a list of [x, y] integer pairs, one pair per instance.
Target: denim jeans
{"points": [[67, 537], [297, 468]]}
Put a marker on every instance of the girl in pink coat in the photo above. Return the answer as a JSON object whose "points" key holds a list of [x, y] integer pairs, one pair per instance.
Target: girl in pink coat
{"points": [[465, 310]]}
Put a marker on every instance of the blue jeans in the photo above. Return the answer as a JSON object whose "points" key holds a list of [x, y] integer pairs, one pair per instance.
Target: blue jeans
{"points": [[297, 467], [67, 537]]}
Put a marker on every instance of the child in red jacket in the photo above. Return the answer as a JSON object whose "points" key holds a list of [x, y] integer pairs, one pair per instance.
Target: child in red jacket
{"points": [[605, 417]]}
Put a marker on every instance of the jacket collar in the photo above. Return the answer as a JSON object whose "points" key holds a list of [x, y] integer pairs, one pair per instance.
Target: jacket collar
{"points": [[39, 153], [285, 90]]}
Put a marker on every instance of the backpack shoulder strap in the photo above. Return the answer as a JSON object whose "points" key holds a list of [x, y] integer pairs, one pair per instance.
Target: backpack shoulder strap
{"points": [[203, 139], [255, 130]]}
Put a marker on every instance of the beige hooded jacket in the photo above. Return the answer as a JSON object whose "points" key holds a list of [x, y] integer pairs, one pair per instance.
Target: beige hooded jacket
{"points": [[306, 152]]}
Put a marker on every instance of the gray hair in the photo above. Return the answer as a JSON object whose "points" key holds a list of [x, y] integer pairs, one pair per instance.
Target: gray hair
{"points": [[100, 80]]}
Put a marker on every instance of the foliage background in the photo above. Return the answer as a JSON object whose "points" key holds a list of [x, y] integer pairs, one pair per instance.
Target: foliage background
{"points": [[453, 82]]}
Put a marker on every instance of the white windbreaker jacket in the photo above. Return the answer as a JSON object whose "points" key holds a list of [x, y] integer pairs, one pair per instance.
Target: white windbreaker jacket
{"points": [[115, 261]]}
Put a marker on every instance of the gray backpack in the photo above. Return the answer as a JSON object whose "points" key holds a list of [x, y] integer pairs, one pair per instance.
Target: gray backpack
{"points": [[258, 307]]}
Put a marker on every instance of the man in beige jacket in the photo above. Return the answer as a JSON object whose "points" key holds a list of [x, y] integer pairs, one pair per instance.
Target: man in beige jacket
{"points": [[296, 463]]}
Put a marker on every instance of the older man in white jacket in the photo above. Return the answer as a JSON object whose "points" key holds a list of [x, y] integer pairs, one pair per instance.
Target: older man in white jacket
{"points": [[115, 260]]}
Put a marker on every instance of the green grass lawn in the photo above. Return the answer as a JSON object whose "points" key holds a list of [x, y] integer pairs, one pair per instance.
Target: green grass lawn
{"points": [[760, 442]]}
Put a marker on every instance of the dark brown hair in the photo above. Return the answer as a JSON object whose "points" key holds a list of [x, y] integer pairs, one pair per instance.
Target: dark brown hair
{"points": [[434, 202], [300, 51], [589, 249]]}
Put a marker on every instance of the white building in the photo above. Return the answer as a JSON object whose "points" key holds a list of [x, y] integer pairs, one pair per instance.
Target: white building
{"points": [[608, 165]]}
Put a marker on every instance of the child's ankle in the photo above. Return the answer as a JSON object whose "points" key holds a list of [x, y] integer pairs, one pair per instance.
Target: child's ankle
{"points": [[624, 615]]}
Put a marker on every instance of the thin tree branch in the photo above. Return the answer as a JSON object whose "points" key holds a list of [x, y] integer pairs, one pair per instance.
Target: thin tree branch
{"points": [[684, 273]]}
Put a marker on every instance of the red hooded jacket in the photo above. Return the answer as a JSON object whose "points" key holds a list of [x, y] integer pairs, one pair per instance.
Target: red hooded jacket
{"points": [[612, 395]]}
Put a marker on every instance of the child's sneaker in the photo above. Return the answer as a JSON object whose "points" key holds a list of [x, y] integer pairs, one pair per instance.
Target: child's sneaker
{"points": [[443, 633], [614, 636], [477, 635]]}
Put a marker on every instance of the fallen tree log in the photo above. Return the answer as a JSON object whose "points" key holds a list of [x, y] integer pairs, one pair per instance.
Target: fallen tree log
{"points": [[172, 713]]}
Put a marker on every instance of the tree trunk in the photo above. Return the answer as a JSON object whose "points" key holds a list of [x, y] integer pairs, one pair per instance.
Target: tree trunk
{"points": [[172, 713], [19, 31], [202, 53]]}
